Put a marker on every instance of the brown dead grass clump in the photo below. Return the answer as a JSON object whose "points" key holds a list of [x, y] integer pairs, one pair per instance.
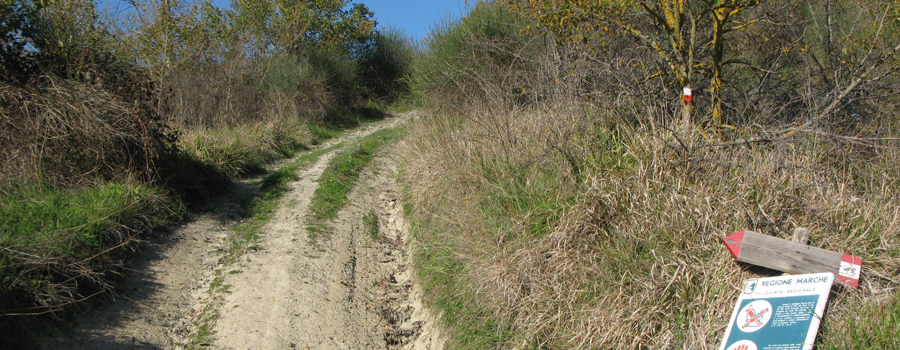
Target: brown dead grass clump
{"points": [[70, 131]]}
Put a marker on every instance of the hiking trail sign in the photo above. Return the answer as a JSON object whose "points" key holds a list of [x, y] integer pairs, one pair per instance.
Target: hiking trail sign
{"points": [[791, 257], [778, 313]]}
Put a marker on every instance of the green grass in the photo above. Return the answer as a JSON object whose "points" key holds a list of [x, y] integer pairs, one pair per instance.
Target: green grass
{"points": [[58, 245], [514, 204], [371, 222], [67, 222], [447, 288], [872, 325], [515, 207], [339, 177], [323, 132], [63, 219], [522, 205]]}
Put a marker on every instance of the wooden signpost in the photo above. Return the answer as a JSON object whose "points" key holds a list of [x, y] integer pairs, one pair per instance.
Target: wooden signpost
{"points": [[795, 258]]}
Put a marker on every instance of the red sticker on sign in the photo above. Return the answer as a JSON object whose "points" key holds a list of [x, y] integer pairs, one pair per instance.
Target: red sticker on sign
{"points": [[850, 269]]}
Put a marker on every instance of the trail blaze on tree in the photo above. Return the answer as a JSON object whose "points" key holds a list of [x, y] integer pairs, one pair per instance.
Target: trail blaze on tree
{"points": [[689, 36], [848, 44]]}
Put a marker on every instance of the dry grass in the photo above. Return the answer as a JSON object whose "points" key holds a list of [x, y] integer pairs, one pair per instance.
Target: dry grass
{"points": [[244, 91], [464, 169], [240, 149], [67, 131], [554, 209], [638, 261]]}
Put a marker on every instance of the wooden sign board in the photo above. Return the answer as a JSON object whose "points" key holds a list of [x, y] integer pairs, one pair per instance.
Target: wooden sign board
{"points": [[780, 313], [795, 258]]}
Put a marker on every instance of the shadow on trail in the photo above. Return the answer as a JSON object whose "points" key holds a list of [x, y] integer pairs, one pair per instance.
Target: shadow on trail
{"points": [[151, 305]]}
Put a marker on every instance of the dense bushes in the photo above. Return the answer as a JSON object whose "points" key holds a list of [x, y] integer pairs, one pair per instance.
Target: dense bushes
{"points": [[70, 131], [486, 58], [77, 113], [385, 65], [83, 152]]}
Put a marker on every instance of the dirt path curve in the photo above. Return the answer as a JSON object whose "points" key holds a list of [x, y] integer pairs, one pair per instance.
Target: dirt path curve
{"points": [[350, 290]]}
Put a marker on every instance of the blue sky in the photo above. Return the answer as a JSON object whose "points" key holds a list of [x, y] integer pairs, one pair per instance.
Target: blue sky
{"points": [[415, 17]]}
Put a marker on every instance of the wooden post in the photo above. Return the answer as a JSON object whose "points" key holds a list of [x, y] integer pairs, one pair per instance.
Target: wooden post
{"points": [[800, 235], [791, 257]]}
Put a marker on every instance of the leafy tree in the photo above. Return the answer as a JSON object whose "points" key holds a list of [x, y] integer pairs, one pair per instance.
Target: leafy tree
{"points": [[18, 25], [171, 32], [292, 27], [47, 36]]}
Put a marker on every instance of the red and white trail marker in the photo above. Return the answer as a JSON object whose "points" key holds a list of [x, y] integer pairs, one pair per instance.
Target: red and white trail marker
{"points": [[791, 257], [688, 97]]}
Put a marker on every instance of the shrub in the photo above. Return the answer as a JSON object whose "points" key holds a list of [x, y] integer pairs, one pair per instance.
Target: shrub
{"points": [[338, 71], [385, 65], [71, 131], [485, 59]]}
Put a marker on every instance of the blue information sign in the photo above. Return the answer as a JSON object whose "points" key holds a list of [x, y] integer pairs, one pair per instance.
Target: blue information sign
{"points": [[778, 313]]}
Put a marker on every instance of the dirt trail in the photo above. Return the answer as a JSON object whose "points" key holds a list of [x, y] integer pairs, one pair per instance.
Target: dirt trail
{"points": [[348, 290]]}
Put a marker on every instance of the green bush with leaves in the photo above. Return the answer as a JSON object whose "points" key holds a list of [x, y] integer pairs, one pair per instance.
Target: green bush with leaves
{"points": [[18, 29], [485, 58], [385, 64]]}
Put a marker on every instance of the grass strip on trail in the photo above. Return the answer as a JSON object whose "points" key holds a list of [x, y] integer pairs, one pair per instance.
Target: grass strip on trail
{"points": [[272, 188], [339, 177], [259, 211]]}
